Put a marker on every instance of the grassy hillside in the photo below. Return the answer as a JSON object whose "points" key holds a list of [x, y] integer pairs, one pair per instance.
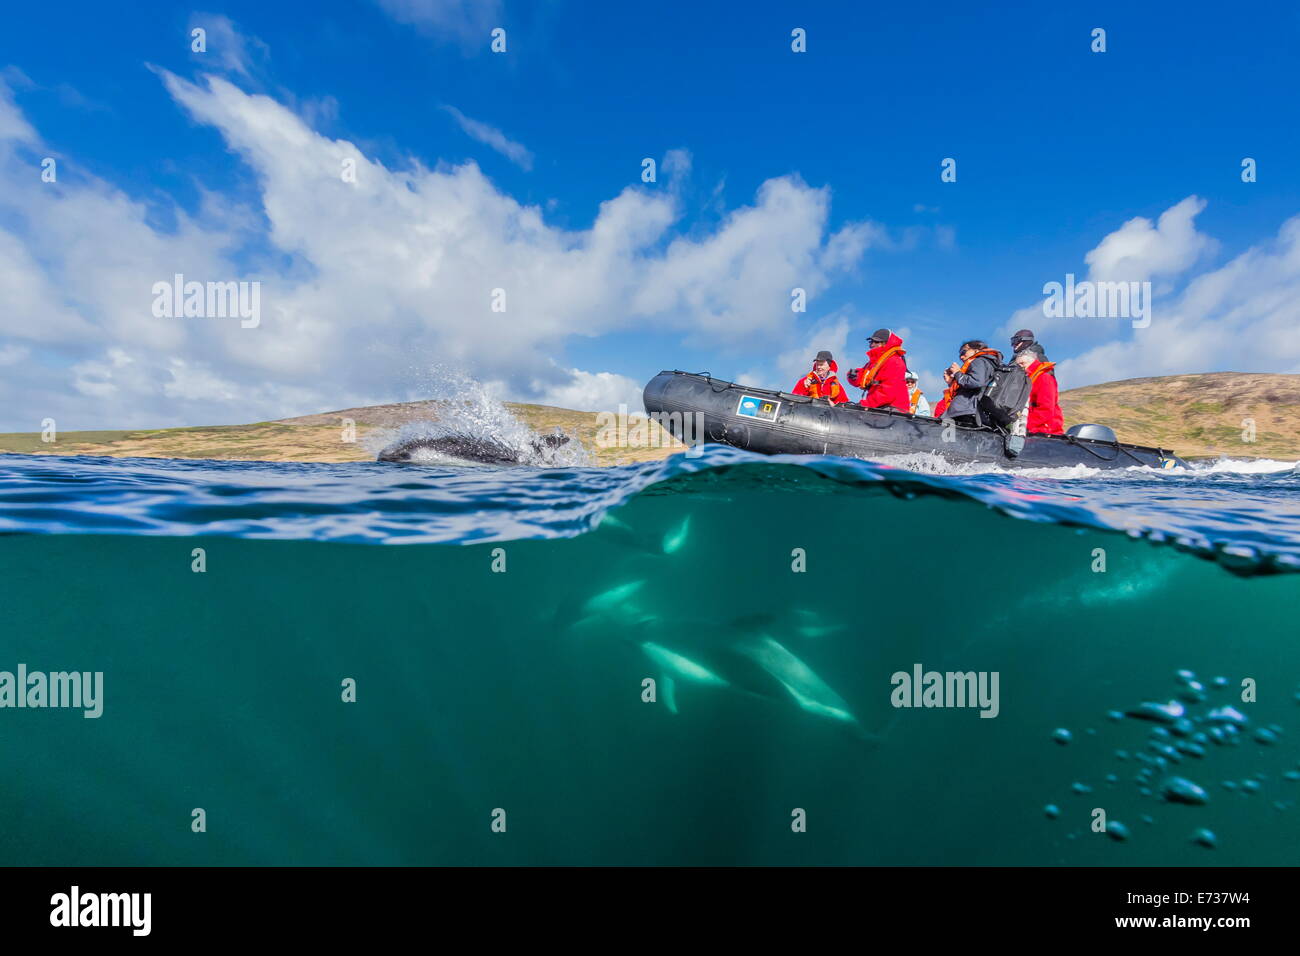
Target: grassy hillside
{"points": [[1197, 415], [311, 437], [1194, 415]]}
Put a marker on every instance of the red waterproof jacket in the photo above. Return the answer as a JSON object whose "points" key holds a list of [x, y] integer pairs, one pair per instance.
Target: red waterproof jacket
{"points": [[828, 387], [1044, 411], [884, 377]]}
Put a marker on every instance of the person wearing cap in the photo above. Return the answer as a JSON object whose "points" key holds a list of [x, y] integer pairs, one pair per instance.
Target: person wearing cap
{"points": [[883, 376], [1044, 408], [821, 381], [1022, 339], [915, 396]]}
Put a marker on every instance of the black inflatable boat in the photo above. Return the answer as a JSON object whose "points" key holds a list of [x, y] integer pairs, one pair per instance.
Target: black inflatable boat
{"points": [[696, 407]]}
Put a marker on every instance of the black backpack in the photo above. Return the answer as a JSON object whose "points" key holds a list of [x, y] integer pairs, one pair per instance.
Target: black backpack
{"points": [[1004, 397]]}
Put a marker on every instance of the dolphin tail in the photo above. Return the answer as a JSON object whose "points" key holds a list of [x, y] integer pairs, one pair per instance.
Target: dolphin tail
{"points": [[669, 688]]}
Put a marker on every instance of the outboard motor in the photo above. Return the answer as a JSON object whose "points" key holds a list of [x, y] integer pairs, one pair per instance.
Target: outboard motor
{"points": [[1091, 433]]}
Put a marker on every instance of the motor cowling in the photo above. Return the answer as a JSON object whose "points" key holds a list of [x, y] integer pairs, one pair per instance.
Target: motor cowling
{"points": [[1091, 432]]}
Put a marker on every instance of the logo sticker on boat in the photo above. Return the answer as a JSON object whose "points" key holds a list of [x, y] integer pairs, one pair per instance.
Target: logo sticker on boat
{"points": [[764, 409]]}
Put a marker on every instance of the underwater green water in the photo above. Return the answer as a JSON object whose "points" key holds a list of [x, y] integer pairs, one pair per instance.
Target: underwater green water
{"points": [[479, 690]]}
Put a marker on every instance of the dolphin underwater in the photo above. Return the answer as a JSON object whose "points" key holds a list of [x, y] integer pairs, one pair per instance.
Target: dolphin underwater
{"points": [[757, 666], [475, 448], [621, 533], [733, 655]]}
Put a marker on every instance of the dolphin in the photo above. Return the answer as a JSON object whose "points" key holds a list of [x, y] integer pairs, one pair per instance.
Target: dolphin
{"points": [[670, 662], [809, 691], [756, 666], [735, 655], [806, 624], [620, 532], [675, 538], [612, 598], [475, 448]]}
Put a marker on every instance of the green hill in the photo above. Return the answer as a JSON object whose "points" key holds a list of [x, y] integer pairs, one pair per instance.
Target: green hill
{"points": [[1197, 415]]}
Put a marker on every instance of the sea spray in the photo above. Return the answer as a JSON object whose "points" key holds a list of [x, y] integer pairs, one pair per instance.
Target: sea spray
{"points": [[463, 412]]}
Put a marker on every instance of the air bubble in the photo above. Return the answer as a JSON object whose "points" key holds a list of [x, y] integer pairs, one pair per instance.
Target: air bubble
{"points": [[1182, 790], [1162, 713]]}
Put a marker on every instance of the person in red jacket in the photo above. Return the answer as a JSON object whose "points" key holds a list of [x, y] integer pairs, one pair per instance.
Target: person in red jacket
{"points": [[884, 375], [821, 381], [1044, 410]]}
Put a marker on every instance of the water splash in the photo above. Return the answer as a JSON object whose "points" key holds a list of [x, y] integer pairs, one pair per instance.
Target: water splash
{"points": [[474, 426]]}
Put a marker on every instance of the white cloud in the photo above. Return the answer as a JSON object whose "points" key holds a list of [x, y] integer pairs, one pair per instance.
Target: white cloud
{"points": [[13, 354], [226, 48], [388, 275], [1139, 250], [830, 334], [594, 392], [1162, 253], [493, 137], [467, 21], [1244, 316], [14, 128], [846, 247]]}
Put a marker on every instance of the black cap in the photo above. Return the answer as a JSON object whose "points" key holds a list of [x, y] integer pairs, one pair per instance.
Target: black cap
{"points": [[1021, 338], [881, 335], [823, 356]]}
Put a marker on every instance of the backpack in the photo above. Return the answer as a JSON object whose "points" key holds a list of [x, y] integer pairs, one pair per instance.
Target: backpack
{"points": [[1004, 397]]}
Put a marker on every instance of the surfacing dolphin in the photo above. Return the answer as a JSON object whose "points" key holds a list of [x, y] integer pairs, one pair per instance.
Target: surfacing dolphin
{"points": [[474, 448]]}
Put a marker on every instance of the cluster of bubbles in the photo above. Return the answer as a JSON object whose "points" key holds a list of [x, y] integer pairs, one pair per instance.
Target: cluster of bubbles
{"points": [[1183, 730]]}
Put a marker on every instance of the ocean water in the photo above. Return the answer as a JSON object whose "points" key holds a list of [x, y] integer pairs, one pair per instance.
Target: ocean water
{"points": [[500, 626]]}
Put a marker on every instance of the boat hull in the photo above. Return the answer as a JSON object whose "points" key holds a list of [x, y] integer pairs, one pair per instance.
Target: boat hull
{"points": [[696, 407]]}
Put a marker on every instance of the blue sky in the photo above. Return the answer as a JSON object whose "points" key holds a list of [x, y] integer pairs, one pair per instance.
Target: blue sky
{"points": [[1057, 148]]}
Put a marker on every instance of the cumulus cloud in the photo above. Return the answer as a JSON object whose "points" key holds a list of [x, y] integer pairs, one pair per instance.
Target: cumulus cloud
{"points": [[594, 392], [1141, 250], [1138, 251], [366, 280], [493, 137], [830, 334], [1243, 316]]}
